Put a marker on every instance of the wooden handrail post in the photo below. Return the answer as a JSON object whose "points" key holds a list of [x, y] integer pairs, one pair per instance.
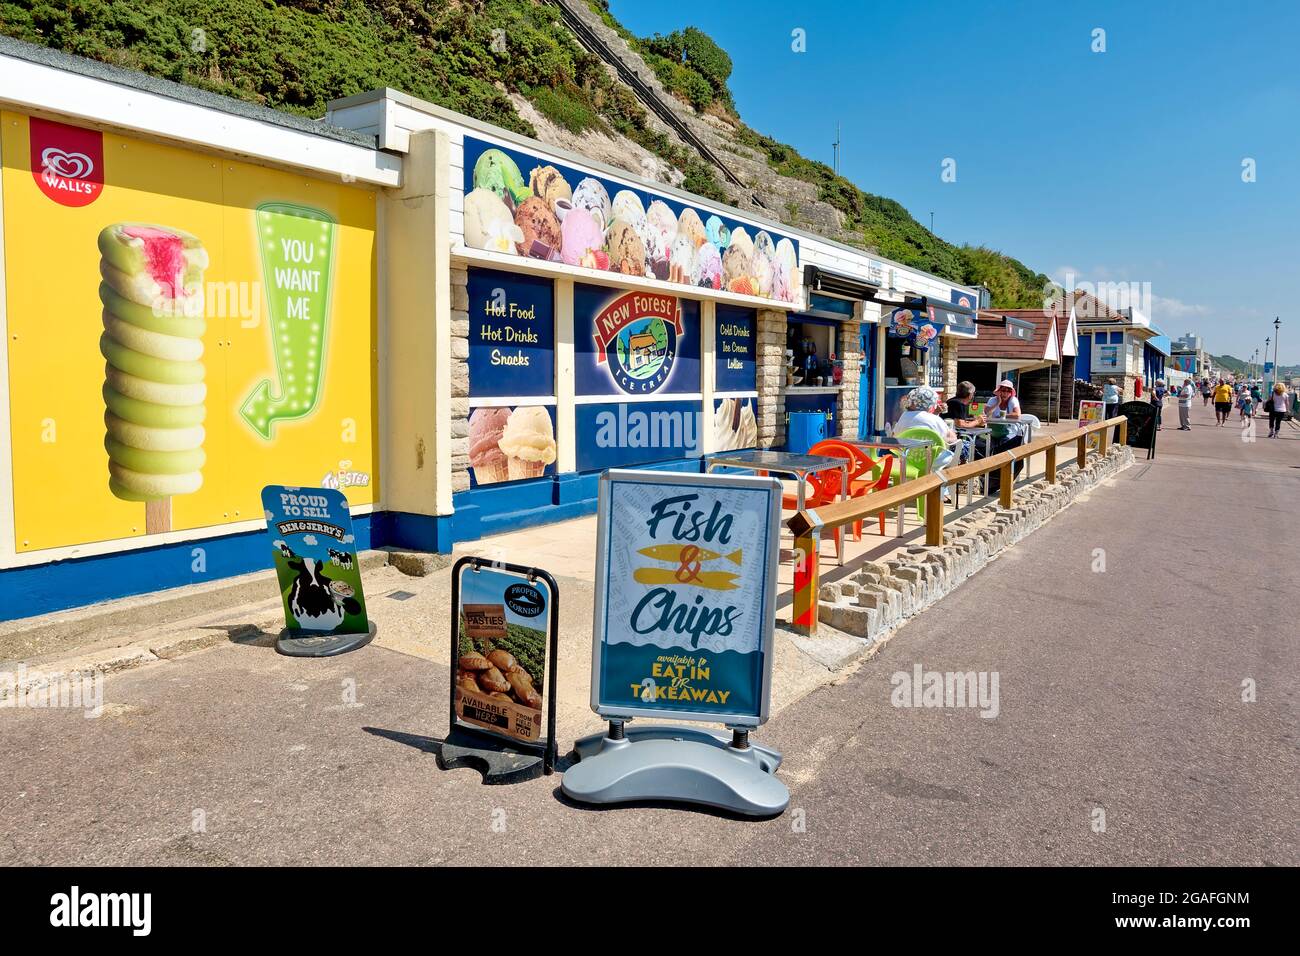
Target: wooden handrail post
{"points": [[1006, 479], [1103, 441], [1051, 465], [1083, 452], [806, 584], [934, 517], [1123, 431]]}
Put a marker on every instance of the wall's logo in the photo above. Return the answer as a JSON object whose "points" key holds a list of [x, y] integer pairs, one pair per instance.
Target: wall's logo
{"points": [[636, 337], [67, 162]]}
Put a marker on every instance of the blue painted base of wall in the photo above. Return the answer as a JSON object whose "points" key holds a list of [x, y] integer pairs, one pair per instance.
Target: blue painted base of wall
{"points": [[59, 585]]}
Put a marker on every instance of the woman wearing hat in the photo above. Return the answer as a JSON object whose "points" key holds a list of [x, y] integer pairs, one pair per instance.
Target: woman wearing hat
{"points": [[920, 410]]}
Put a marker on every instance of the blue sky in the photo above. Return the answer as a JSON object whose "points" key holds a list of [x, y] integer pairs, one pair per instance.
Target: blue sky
{"points": [[1120, 166]]}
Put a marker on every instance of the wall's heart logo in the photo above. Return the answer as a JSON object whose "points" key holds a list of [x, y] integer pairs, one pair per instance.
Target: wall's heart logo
{"points": [[67, 162], [71, 165]]}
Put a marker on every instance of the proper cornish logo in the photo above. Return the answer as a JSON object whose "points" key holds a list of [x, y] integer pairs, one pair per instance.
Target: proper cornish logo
{"points": [[636, 339], [67, 162]]}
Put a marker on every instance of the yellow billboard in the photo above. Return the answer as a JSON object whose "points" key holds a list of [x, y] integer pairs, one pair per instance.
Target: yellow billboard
{"points": [[184, 329]]}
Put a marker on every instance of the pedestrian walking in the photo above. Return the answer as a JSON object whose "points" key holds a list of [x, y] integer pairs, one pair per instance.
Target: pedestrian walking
{"points": [[1277, 406], [1222, 402], [1185, 396], [1206, 391], [1245, 404], [1158, 400]]}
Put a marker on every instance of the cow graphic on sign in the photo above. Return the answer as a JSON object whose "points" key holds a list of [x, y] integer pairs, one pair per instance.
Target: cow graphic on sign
{"points": [[636, 339]]}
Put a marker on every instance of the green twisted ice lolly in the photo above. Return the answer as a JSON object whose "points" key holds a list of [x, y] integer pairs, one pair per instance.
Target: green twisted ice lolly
{"points": [[152, 293], [297, 248]]}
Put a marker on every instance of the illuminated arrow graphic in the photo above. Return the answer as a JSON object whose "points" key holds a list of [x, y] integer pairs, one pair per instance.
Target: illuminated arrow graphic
{"points": [[297, 249]]}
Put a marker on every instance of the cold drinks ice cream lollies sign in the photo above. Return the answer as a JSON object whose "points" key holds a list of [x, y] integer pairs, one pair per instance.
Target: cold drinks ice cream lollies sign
{"points": [[686, 581]]}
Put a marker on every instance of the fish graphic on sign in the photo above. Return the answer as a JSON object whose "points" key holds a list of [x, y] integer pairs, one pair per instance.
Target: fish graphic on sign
{"points": [[690, 560]]}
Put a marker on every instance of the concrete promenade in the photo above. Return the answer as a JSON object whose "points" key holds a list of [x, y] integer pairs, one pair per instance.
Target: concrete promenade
{"points": [[1119, 689]]}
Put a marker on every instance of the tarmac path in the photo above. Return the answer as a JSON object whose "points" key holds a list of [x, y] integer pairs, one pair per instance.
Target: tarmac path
{"points": [[1118, 691]]}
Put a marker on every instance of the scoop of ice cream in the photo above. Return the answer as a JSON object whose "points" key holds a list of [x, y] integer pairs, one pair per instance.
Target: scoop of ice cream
{"points": [[717, 233], [496, 171], [626, 249], [546, 182], [528, 435], [780, 281], [763, 244], [707, 270], [486, 426], [789, 265], [628, 205], [580, 235], [761, 270], [591, 196], [737, 261], [488, 223], [681, 260], [540, 228], [690, 226], [740, 239]]}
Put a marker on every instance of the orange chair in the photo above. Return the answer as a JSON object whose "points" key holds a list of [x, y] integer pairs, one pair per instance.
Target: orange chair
{"points": [[826, 486]]}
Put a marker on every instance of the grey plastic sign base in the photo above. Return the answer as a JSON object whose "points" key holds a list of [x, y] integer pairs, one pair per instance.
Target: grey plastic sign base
{"points": [[499, 763], [292, 642], [678, 764]]}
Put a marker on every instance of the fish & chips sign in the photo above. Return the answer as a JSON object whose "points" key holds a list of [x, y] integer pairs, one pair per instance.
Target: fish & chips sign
{"points": [[685, 599]]}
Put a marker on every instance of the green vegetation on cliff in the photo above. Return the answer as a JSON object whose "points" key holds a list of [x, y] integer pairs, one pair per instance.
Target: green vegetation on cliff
{"points": [[467, 55]]}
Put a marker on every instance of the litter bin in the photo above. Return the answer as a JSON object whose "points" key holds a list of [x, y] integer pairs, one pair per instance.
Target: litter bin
{"points": [[804, 430]]}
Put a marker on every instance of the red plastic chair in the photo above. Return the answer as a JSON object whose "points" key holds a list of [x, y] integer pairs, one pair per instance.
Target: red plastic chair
{"points": [[826, 485]]}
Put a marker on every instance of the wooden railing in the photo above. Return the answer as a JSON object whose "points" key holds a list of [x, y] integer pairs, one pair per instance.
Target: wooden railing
{"points": [[809, 524]]}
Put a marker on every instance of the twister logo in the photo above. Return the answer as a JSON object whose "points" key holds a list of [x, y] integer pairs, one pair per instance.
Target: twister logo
{"points": [[67, 162], [636, 339]]}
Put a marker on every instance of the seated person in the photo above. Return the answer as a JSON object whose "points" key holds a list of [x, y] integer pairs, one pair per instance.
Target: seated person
{"points": [[919, 412], [1005, 407], [959, 407]]}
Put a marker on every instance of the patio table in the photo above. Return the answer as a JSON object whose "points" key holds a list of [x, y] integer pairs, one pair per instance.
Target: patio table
{"points": [[798, 467]]}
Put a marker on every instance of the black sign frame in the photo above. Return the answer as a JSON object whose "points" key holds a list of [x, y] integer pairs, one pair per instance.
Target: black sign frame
{"points": [[1142, 417], [548, 749]]}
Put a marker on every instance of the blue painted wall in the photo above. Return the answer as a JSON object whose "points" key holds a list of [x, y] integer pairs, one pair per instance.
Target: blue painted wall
{"points": [[75, 582]]}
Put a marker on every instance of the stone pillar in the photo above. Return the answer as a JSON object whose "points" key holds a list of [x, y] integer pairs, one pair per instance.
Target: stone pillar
{"points": [[849, 351], [769, 356], [459, 378], [949, 357]]}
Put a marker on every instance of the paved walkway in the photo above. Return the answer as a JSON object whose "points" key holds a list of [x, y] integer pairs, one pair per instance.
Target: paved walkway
{"points": [[1118, 691]]}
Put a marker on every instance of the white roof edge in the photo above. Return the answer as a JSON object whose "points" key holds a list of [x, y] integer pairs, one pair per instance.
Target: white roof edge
{"points": [[558, 152], [44, 89]]}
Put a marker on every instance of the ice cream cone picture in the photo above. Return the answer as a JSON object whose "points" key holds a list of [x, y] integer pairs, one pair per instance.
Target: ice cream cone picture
{"points": [[297, 246], [152, 293], [507, 445]]}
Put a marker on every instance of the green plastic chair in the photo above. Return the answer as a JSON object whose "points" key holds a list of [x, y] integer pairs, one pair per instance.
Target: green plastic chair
{"points": [[915, 460]]}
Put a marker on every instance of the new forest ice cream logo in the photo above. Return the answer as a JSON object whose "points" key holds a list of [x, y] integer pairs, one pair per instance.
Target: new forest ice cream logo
{"points": [[67, 162], [636, 338]]}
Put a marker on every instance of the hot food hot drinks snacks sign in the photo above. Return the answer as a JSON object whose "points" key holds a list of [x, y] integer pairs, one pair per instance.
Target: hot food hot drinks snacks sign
{"points": [[686, 581], [518, 203]]}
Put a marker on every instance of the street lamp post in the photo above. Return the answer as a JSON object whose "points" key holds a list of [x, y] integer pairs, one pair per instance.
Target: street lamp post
{"points": [[1277, 337]]}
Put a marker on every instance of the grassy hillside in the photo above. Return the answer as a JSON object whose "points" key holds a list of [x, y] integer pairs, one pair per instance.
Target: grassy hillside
{"points": [[296, 55]]}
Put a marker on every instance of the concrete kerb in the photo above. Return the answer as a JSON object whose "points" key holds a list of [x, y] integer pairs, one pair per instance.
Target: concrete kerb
{"points": [[881, 596]]}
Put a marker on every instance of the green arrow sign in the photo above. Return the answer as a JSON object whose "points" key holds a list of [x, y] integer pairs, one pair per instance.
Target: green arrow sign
{"points": [[297, 248]]}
